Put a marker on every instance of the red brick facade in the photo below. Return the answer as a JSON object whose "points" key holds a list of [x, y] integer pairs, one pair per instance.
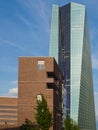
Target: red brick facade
{"points": [[39, 75], [8, 111]]}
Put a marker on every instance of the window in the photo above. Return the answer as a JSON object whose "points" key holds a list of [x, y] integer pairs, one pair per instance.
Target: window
{"points": [[41, 65]]}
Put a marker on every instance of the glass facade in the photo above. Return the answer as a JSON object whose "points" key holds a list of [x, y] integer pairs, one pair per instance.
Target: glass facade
{"points": [[69, 44], [54, 39], [77, 30]]}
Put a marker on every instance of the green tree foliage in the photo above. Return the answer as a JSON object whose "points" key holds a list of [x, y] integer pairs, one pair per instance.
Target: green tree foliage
{"points": [[70, 124], [75, 126], [43, 115], [28, 125]]}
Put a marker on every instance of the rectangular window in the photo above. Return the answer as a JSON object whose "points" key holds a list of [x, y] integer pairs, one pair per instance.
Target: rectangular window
{"points": [[41, 65]]}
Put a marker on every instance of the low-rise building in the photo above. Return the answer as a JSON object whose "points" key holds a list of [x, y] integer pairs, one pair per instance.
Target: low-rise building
{"points": [[8, 111], [39, 75]]}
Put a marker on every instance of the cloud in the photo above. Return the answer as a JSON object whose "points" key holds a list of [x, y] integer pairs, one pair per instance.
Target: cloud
{"points": [[25, 21], [94, 61], [13, 92], [40, 9], [96, 105], [14, 82], [4, 41]]}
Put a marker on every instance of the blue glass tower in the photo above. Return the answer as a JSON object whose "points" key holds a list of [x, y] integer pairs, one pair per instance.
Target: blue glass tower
{"points": [[70, 45]]}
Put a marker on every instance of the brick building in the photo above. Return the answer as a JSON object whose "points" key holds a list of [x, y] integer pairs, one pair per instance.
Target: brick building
{"points": [[39, 75], [8, 111]]}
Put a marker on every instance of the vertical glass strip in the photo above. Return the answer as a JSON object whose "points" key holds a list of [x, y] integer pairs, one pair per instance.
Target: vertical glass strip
{"points": [[54, 34]]}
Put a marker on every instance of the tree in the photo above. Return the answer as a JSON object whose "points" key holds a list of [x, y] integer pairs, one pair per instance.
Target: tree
{"points": [[70, 124], [75, 126], [43, 115], [28, 125]]}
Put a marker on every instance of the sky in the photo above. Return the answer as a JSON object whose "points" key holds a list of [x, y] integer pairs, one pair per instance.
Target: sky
{"points": [[25, 31]]}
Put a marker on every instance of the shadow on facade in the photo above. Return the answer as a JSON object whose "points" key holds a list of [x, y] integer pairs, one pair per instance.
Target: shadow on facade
{"points": [[10, 128]]}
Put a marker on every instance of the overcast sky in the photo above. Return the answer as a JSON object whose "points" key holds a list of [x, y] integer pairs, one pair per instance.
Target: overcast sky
{"points": [[25, 31]]}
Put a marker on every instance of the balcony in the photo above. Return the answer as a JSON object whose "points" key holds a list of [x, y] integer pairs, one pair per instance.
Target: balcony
{"points": [[53, 84], [52, 75]]}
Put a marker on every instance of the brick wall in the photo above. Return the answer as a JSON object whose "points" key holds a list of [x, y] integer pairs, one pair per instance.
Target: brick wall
{"points": [[33, 81], [8, 111]]}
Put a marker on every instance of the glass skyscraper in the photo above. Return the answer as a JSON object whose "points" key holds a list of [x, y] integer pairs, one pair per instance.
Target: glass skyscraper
{"points": [[70, 45]]}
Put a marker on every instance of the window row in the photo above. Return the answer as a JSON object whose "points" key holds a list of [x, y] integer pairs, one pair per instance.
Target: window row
{"points": [[1, 106], [7, 111], [1, 121], [7, 116]]}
